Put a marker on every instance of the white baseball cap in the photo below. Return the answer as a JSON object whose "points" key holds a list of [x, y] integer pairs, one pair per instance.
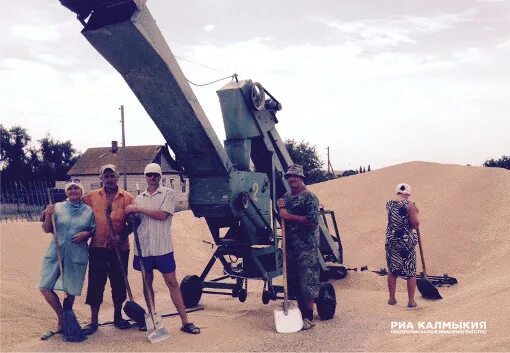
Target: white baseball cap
{"points": [[108, 167], [152, 168], [403, 188], [74, 183]]}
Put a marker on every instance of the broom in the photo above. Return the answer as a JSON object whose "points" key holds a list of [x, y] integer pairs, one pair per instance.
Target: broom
{"points": [[71, 328]]}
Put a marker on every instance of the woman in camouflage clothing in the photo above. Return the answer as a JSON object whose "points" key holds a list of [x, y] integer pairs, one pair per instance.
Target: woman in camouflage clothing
{"points": [[300, 209]]}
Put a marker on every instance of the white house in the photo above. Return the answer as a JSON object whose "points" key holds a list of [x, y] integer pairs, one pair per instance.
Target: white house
{"points": [[86, 169]]}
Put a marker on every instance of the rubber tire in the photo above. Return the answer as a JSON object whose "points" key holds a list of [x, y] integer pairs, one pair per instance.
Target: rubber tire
{"points": [[191, 289], [326, 301]]}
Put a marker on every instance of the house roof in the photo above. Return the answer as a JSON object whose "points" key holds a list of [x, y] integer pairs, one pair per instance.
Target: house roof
{"points": [[137, 157]]}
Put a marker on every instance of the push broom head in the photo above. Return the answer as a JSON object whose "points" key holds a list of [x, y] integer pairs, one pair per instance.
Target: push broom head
{"points": [[72, 331]]}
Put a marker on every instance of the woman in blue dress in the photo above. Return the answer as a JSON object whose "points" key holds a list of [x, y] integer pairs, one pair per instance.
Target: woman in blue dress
{"points": [[75, 224]]}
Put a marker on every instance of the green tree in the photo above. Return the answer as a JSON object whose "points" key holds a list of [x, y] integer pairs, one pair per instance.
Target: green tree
{"points": [[14, 152], [55, 158], [50, 160], [305, 154], [503, 162]]}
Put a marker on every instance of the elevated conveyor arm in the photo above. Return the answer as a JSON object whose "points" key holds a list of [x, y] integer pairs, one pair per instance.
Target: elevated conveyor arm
{"points": [[136, 48]]}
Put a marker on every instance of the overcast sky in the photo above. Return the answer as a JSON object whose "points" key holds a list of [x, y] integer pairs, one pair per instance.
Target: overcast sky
{"points": [[380, 82]]}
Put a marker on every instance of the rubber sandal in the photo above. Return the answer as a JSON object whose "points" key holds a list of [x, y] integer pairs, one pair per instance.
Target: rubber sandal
{"points": [[50, 334], [142, 327], [413, 305], [190, 328], [122, 324], [89, 329], [307, 324], [392, 302]]}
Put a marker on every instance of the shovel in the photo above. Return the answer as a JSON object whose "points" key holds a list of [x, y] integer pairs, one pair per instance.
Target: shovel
{"points": [[426, 288], [133, 310], [287, 319], [157, 332]]}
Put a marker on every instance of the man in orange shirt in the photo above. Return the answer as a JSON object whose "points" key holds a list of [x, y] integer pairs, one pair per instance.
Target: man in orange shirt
{"points": [[103, 260]]}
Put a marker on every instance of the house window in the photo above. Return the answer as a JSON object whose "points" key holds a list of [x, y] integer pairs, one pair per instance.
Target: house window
{"points": [[183, 186], [163, 181], [172, 184]]}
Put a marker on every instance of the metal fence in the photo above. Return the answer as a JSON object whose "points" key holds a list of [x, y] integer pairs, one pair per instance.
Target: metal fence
{"points": [[24, 201]]}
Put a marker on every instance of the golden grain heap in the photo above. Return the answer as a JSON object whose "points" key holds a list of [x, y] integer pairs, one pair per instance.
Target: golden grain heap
{"points": [[465, 218]]}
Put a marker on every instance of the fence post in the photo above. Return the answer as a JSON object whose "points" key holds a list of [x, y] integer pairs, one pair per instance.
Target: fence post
{"points": [[17, 195]]}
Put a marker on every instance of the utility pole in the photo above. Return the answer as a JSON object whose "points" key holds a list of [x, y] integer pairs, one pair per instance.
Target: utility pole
{"points": [[331, 171], [123, 146]]}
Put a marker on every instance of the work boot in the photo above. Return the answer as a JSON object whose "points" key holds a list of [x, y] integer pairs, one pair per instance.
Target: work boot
{"points": [[120, 323]]}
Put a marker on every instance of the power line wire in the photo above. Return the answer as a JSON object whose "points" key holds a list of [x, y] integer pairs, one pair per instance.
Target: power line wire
{"points": [[233, 76], [194, 62]]}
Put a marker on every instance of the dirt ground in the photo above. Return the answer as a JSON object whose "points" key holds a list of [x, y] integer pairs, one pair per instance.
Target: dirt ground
{"points": [[465, 218]]}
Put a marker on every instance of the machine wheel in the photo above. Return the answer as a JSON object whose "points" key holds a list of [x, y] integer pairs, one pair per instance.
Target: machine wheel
{"points": [[242, 295], [339, 273], [266, 297], [191, 289], [326, 301], [258, 96]]}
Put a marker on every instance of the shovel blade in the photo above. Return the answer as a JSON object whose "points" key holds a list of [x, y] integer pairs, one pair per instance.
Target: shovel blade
{"points": [[289, 322], [427, 289], [158, 335], [153, 325], [156, 331]]}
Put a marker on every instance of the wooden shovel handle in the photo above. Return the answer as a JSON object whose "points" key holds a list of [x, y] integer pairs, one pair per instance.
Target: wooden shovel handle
{"points": [[108, 214], [284, 272], [55, 238], [59, 251], [144, 276], [422, 256]]}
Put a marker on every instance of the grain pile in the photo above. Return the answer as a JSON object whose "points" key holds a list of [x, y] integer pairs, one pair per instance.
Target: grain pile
{"points": [[465, 219]]}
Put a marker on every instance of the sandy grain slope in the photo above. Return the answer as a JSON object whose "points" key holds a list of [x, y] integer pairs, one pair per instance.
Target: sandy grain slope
{"points": [[465, 219]]}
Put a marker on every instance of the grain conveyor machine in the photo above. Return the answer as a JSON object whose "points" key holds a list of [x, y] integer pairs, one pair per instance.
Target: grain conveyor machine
{"points": [[235, 186]]}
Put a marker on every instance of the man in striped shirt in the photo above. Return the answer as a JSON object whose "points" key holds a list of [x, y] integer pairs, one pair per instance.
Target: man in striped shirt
{"points": [[156, 207]]}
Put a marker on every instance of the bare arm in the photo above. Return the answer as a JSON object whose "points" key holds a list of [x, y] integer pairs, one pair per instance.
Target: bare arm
{"points": [[155, 214], [81, 236], [294, 217], [289, 216], [47, 225], [413, 216]]}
